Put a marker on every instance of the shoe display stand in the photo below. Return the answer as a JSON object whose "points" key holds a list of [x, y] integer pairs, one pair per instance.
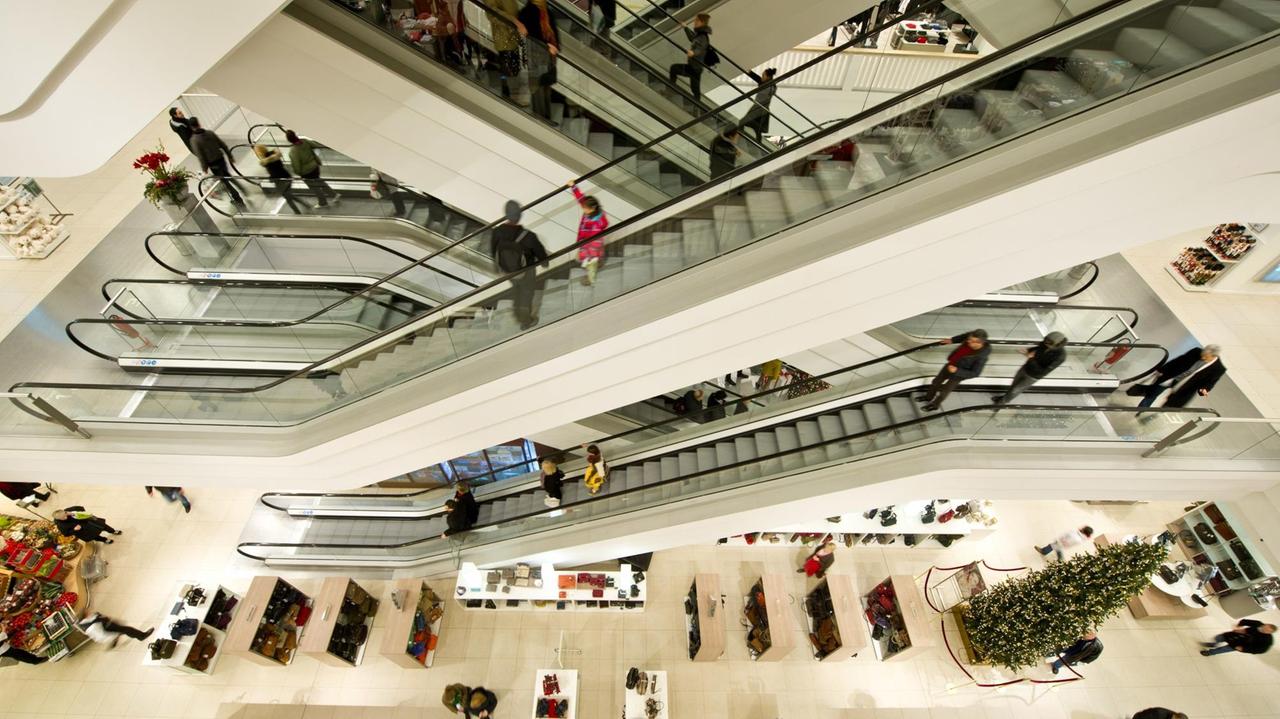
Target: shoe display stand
{"points": [[909, 631], [567, 679], [1198, 268], [411, 633], [835, 600], [635, 705], [214, 614], [546, 588], [272, 616], [341, 624], [910, 530], [704, 625], [771, 632], [1212, 534]]}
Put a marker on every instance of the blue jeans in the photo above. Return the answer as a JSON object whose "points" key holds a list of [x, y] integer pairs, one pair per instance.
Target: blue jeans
{"points": [[1153, 392], [1224, 649]]}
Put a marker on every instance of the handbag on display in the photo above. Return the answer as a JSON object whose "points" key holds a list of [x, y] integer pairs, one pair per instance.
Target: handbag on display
{"points": [[184, 628], [1205, 533], [888, 518], [1230, 571], [947, 516], [929, 514], [162, 649], [871, 513], [1188, 539], [1224, 530], [1251, 568], [1214, 514]]}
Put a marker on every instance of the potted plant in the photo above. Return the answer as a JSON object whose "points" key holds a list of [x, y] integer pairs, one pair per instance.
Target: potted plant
{"points": [[168, 185]]}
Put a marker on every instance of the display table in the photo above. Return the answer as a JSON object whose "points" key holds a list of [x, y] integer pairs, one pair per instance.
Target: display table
{"points": [[413, 627], [1152, 603], [342, 623], [41, 573], [269, 624], [771, 632], [704, 626], [547, 588], [196, 653], [835, 600], [633, 703], [909, 629], [567, 679]]}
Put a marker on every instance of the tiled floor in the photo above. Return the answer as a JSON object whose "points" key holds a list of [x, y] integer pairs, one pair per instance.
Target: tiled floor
{"points": [[1145, 663]]}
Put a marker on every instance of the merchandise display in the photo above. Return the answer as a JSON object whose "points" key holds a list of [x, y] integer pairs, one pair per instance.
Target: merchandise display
{"points": [[1209, 536], [555, 694], [644, 695], [526, 587], [413, 628], [270, 624], [921, 36], [27, 232], [191, 636], [922, 523], [341, 623], [704, 623], [1200, 267], [831, 609], [39, 579], [1230, 242], [770, 634], [894, 613]]}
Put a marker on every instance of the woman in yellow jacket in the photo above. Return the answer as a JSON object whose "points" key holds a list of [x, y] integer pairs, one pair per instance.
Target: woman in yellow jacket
{"points": [[597, 471]]}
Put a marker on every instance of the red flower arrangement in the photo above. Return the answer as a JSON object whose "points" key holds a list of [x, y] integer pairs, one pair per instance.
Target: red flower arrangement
{"points": [[166, 182]]}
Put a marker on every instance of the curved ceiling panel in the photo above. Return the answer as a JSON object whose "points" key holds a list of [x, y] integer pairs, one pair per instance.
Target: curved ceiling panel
{"points": [[39, 60]]}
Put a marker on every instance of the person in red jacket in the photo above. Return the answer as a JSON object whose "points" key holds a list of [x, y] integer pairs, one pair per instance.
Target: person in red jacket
{"points": [[593, 222]]}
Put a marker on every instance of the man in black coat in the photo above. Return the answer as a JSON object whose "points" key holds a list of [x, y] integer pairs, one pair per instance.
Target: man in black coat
{"points": [[1195, 372], [514, 249], [1086, 649], [965, 362], [180, 126], [456, 518], [1249, 636], [1041, 360], [213, 155]]}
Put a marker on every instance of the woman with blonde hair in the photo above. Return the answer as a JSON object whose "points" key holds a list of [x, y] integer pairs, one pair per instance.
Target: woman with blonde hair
{"points": [[273, 162], [552, 481]]}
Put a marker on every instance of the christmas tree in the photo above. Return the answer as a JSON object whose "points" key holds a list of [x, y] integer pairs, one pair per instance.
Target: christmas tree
{"points": [[1019, 622]]}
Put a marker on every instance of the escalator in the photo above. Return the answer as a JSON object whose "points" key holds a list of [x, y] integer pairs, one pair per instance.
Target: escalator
{"points": [[900, 140], [847, 421]]}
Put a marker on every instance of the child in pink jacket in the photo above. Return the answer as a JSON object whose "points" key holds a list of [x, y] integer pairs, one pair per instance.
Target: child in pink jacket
{"points": [[593, 222]]}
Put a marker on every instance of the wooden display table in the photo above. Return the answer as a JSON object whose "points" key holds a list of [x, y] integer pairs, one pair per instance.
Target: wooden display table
{"points": [[707, 620], [911, 622], [415, 597], [835, 597], [775, 612], [251, 618], [333, 633]]}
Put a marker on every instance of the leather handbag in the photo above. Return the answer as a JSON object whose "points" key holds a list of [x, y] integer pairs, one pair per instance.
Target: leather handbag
{"points": [[1230, 571], [947, 516], [633, 677], [1205, 533], [929, 514], [1188, 539], [1225, 532], [888, 518], [1251, 568], [162, 649], [1214, 514], [184, 628]]}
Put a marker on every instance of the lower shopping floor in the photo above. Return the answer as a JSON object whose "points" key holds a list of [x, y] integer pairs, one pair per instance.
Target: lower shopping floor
{"points": [[1146, 662]]}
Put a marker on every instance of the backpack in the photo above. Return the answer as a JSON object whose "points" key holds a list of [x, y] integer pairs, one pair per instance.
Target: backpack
{"points": [[712, 57], [509, 255]]}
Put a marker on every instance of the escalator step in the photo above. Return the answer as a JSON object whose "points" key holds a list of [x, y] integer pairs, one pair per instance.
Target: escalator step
{"points": [[877, 417], [601, 143], [707, 460], [811, 434], [669, 469], [652, 472], [698, 240], [732, 227], [902, 409], [726, 454], [767, 444], [745, 449], [1210, 29], [766, 212], [802, 196], [789, 439], [688, 463]]}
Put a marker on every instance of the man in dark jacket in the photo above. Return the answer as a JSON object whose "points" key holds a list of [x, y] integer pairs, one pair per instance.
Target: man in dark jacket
{"points": [[1194, 372], [1041, 360], [699, 44], [724, 152], [213, 155], [1084, 651], [467, 503], [966, 362], [1159, 713], [456, 518], [514, 249], [180, 126], [1249, 636]]}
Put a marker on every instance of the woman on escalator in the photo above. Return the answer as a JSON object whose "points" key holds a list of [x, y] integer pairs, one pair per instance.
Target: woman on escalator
{"points": [[273, 162], [538, 23], [757, 118]]}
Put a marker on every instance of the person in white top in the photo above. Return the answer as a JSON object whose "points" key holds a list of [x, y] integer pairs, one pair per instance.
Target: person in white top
{"points": [[1059, 546], [104, 630]]}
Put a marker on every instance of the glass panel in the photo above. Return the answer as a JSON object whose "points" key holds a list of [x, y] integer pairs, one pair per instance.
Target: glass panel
{"points": [[1020, 323]]}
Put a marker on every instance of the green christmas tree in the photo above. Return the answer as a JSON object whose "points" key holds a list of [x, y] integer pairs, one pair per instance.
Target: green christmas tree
{"points": [[1020, 621]]}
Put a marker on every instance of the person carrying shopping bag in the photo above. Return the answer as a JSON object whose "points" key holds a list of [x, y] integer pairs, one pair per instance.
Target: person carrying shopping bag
{"points": [[597, 471], [593, 222]]}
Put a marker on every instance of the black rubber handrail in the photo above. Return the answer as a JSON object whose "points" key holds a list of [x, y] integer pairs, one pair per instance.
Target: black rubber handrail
{"points": [[644, 216], [1092, 271], [710, 411], [754, 461], [991, 304], [234, 284]]}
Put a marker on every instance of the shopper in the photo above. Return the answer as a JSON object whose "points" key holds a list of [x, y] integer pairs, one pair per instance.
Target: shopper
{"points": [[273, 162], [213, 155], [816, 565], [173, 494], [455, 697], [689, 403], [965, 362], [715, 405], [552, 481], [480, 703], [1059, 546], [724, 152], [1041, 360], [25, 493], [757, 117], [514, 249], [105, 630], [507, 31], [1249, 636], [592, 223], [21, 655], [770, 375], [467, 502], [608, 16], [385, 187], [455, 518], [538, 22], [699, 54], [305, 162], [180, 126], [1159, 713], [76, 522], [1084, 651], [1194, 372], [597, 470]]}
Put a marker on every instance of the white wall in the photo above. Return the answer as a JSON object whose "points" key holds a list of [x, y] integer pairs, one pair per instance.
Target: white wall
{"points": [[752, 31], [83, 77]]}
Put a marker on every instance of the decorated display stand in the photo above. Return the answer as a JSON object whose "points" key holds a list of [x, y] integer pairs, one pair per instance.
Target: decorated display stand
{"points": [[1197, 269], [895, 615], [269, 622], [771, 634], [928, 524], [544, 588], [192, 635], [704, 618], [341, 623], [413, 624], [559, 686], [837, 629], [42, 573], [1211, 534], [644, 695], [27, 232]]}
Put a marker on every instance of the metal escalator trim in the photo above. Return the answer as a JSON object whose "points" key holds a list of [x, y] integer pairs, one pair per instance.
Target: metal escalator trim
{"points": [[208, 366], [892, 427]]}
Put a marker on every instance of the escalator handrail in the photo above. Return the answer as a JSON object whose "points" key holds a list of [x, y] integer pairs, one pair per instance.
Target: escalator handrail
{"points": [[288, 236], [643, 216], [893, 427], [261, 284], [1092, 278], [1164, 356], [988, 304]]}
